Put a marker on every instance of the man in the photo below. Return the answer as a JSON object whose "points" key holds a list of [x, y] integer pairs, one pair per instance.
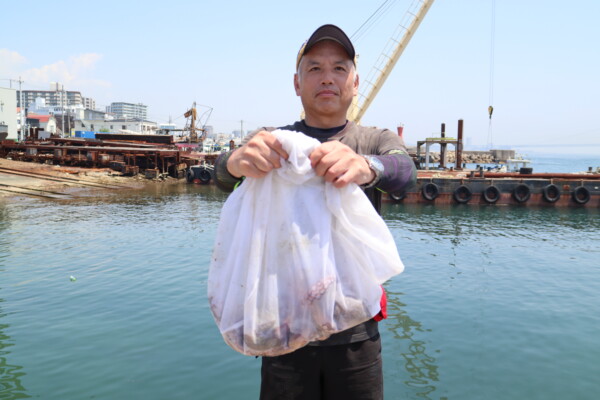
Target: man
{"points": [[348, 364]]}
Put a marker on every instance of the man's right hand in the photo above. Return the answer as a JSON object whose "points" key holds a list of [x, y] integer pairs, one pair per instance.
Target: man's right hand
{"points": [[256, 158]]}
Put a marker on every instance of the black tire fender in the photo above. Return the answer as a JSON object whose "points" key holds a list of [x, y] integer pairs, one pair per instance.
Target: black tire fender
{"points": [[581, 195], [521, 193], [491, 194], [204, 175], [462, 194], [430, 191], [551, 193], [398, 196]]}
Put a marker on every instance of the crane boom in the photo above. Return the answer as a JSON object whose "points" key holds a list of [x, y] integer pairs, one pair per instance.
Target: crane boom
{"points": [[387, 60]]}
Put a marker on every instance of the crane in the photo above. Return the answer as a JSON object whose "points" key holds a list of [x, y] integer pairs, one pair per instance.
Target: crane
{"points": [[191, 113], [387, 60], [193, 122]]}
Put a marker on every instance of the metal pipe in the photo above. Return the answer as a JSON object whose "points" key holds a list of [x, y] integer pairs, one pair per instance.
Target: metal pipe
{"points": [[443, 148], [459, 145], [546, 175]]}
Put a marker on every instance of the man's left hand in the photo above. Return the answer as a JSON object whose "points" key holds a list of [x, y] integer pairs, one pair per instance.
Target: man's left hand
{"points": [[340, 165]]}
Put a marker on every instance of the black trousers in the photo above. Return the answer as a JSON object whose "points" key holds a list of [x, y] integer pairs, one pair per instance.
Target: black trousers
{"points": [[349, 371]]}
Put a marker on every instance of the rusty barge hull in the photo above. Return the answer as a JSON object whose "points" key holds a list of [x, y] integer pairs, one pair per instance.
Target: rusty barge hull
{"points": [[502, 189], [127, 157]]}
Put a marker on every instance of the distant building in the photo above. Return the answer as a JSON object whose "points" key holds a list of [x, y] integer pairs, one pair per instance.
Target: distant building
{"points": [[64, 124], [130, 125], [89, 103], [91, 114], [128, 110], [55, 101], [8, 114], [52, 98], [39, 106], [42, 126]]}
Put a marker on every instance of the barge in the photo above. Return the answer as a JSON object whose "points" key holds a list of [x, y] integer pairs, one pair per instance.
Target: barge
{"points": [[497, 188]]}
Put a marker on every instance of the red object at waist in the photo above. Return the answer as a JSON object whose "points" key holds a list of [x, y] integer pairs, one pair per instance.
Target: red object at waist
{"points": [[382, 314]]}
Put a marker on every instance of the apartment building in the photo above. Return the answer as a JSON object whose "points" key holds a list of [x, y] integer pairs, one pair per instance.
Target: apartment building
{"points": [[128, 110]]}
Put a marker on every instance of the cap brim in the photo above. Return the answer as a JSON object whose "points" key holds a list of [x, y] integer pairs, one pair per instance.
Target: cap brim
{"points": [[327, 32]]}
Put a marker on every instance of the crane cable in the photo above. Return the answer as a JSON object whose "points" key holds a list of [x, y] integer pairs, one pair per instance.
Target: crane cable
{"points": [[491, 101], [369, 22]]}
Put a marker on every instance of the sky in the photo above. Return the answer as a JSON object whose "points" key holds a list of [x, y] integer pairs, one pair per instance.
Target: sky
{"points": [[236, 60]]}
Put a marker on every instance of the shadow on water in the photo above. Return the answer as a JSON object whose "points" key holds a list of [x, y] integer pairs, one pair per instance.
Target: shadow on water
{"points": [[10, 374]]}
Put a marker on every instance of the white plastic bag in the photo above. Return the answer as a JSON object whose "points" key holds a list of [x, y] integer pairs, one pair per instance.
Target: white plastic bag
{"points": [[296, 259]]}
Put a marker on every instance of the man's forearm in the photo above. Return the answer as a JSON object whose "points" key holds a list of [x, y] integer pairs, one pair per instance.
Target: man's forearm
{"points": [[399, 172], [223, 179]]}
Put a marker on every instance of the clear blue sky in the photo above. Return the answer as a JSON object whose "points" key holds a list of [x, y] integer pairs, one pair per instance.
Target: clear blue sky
{"points": [[238, 58]]}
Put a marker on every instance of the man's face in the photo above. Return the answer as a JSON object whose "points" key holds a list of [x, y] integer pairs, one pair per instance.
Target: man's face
{"points": [[326, 83]]}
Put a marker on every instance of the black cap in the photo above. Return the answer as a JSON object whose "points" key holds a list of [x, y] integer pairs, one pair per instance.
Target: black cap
{"points": [[327, 32]]}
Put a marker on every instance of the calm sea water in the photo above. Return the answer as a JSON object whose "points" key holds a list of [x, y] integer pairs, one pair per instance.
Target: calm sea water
{"points": [[495, 302]]}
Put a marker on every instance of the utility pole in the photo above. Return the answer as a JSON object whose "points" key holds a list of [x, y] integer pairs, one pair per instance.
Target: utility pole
{"points": [[242, 129], [62, 105], [23, 116]]}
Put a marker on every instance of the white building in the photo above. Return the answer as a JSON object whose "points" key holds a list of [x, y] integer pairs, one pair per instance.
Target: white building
{"points": [[39, 106], [8, 113], [52, 98], [89, 103], [128, 110], [55, 100], [116, 126]]}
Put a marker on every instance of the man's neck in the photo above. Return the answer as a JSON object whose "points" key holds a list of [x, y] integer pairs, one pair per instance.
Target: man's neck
{"points": [[324, 123], [322, 134]]}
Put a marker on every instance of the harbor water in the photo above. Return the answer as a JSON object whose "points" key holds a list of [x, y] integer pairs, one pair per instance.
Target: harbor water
{"points": [[104, 297]]}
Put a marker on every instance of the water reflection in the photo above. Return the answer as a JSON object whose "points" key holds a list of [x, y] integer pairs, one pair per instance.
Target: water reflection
{"points": [[152, 193], [10, 374], [419, 365], [155, 203], [459, 223]]}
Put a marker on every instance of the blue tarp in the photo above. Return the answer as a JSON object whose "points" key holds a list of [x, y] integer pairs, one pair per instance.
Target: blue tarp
{"points": [[85, 134]]}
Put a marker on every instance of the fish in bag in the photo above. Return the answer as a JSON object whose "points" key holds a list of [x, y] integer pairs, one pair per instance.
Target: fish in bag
{"points": [[295, 259]]}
